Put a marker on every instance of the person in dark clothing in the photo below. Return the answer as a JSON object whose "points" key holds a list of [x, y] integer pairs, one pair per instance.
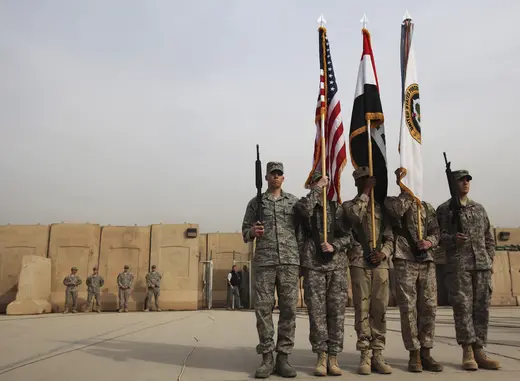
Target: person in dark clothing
{"points": [[233, 280]]}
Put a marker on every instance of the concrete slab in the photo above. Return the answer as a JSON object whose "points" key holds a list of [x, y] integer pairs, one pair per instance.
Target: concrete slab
{"points": [[15, 242], [212, 345], [501, 280], [120, 246], [72, 245]]}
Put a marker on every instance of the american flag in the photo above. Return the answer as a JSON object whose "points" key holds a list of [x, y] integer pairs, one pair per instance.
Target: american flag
{"points": [[335, 146]]}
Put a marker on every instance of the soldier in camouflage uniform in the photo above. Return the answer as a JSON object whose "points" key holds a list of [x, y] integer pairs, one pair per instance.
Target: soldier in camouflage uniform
{"points": [[124, 282], [276, 262], [325, 274], [469, 264], [153, 282], [369, 273], [94, 284], [415, 276], [71, 282]]}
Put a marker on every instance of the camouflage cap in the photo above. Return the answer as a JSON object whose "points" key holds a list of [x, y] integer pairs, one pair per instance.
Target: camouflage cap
{"points": [[95, 268], [461, 173], [153, 266], [74, 269], [360, 172], [274, 166], [127, 267]]}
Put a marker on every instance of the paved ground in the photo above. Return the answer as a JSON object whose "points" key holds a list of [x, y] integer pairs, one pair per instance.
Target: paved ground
{"points": [[209, 345]]}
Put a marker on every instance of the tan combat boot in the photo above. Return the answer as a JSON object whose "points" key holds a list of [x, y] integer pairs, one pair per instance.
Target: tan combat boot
{"points": [[66, 311], [321, 365], [333, 367], [379, 364], [414, 364], [483, 360], [364, 363], [428, 361], [468, 361]]}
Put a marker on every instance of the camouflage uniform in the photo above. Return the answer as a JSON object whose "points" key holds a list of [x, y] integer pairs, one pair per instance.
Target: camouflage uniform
{"points": [[325, 276], [153, 282], [124, 281], [94, 284], [415, 275], [370, 284], [468, 276], [71, 282], [276, 262]]}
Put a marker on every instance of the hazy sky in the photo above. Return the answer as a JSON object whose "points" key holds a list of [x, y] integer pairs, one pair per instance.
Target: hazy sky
{"points": [[137, 112]]}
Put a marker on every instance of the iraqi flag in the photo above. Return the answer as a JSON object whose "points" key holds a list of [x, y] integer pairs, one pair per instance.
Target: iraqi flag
{"points": [[410, 133], [367, 106]]}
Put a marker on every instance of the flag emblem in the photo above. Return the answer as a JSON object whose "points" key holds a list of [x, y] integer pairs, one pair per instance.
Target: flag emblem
{"points": [[412, 111]]}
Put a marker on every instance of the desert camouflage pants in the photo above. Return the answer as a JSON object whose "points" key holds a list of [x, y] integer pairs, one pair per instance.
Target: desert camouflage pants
{"points": [[124, 295], [325, 294], [92, 295], [470, 294], [71, 296], [416, 295], [285, 278], [152, 293], [370, 293]]}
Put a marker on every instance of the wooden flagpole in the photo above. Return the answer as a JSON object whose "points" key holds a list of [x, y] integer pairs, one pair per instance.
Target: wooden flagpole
{"points": [[371, 173], [323, 173]]}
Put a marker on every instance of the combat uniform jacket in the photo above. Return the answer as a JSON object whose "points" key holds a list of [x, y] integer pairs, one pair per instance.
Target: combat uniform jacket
{"points": [[72, 282], [310, 210], [280, 243], [403, 210], [478, 252], [153, 279], [124, 280], [94, 283], [358, 214]]}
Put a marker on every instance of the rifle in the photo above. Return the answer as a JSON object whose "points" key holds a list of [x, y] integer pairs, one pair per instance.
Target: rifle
{"points": [[455, 205], [259, 181]]}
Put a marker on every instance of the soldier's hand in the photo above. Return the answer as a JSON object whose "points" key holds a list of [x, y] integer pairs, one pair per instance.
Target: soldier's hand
{"points": [[327, 247], [370, 183], [323, 182], [424, 245], [376, 257], [257, 230], [460, 238]]}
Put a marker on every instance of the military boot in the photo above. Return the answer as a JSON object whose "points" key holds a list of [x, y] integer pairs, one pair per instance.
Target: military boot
{"points": [[428, 362], [332, 366], [365, 363], [483, 360], [321, 365], [266, 367], [146, 310], [414, 364], [159, 310], [468, 360], [379, 364], [125, 310], [98, 310], [66, 311], [282, 366]]}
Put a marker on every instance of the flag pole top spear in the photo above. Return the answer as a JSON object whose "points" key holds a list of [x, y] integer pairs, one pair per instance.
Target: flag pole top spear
{"points": [[364, 21], [407, 16], [321, 21]]}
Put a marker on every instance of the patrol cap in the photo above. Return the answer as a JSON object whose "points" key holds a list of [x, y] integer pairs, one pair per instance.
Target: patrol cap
{"points": [[153, 266], [127, 267], [316, 176], [461, 173], [360, 172], [74, 269], [274, 166], [95, 268]]}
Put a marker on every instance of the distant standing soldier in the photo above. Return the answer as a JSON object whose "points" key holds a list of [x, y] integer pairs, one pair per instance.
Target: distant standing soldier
{"points": [[244, 286], [325, 275], [233, 284], [415, 275], [124, 281], [94, 284], [469, 264], [153, 282], [276, 262], [369, 273], [71, 282]]}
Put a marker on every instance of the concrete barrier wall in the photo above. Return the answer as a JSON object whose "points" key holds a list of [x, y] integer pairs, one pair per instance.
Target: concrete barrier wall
{"points": [[72, 245], [514, 265], [177, 258], [514, 236], [203, 255], [16, 241], [501, 281], [120, 246], [223, 248]]}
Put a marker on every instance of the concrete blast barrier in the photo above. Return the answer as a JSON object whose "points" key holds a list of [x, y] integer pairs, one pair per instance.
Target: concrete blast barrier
{"points": [[501, 280], [120, 246], [203, 240], [514, 263], [72, 245], [17, 241], [223, 248], [177, 259], [34, 288]]}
